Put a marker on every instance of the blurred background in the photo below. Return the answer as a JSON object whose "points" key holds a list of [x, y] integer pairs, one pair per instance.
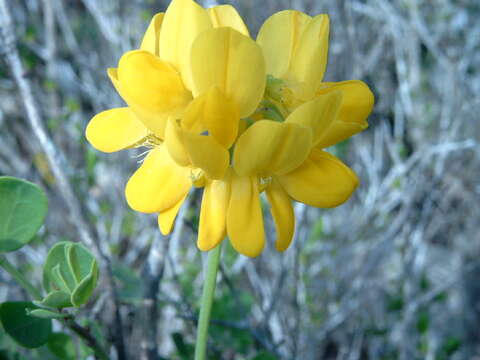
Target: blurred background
{"points": [[392, 274]]}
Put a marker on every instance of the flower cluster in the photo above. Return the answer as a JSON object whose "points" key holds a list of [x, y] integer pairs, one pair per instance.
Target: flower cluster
{"points": [[233, 116]]}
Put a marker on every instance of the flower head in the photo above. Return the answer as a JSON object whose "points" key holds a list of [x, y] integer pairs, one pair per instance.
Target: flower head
{"points": [[234, 116]]}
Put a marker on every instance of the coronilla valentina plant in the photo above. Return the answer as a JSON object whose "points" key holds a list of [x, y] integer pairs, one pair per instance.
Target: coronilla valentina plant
{"points": [[234, 116]]}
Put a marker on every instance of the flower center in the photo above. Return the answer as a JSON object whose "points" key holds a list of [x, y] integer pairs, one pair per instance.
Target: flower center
{"points": [[278, 90]]}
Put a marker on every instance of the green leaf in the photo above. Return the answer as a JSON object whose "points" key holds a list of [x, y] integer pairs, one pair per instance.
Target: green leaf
{"points": [[57, 279], [66, 268], [84, 290], [62, 346], [23, 207], [80, 261], [56, 300], [45, 314], [72, 269], [28, 331]]}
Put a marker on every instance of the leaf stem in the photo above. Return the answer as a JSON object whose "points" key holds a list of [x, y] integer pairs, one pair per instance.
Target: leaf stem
{"points": [[27, 285], [206, 305]]}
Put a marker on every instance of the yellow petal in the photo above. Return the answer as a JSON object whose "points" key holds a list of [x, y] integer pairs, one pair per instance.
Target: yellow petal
{"points": [[150, 82], [282, 213], [175, 143], [220, 116], [114, 130], [206, 154], [184, 20], [322, 181], [268, 147], [152, 88], [279, 37], [356, 105], [193, 115], [159, 183], [201, 151], [212, 226], [231, 61], [244, 216], [309, 60], [166, 218], [317, 114], [227, 15], [153, 121], [151, 39], [113, 75]]}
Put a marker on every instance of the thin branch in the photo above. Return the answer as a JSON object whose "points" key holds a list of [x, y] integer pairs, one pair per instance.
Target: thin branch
{"points": [[90, 340]]}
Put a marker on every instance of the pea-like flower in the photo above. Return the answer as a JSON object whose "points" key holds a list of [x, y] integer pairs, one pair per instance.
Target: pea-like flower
{"points": [[295, 47], [234, 116], [156, 82]]}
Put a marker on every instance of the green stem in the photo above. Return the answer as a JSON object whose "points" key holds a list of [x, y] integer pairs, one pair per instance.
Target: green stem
{"points": [[27, 285], [207, 300]]}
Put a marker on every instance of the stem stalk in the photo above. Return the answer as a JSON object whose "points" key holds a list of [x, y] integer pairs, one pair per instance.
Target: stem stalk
{"points": [[207, 301]]}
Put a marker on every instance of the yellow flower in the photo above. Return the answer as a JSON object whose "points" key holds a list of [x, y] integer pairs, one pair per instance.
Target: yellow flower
{"points": [[295, 47], [228, 78], [284, 157], [199, 89], [156, 82]]}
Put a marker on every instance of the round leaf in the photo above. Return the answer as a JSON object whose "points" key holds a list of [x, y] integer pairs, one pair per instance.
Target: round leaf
{"points": [[71, 269], [28, 331], [23, 207]]}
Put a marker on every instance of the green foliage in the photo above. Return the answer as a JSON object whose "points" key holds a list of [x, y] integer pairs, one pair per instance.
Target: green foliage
{"points": [[72, 105], [423, 321], [395, 303], [56, 300], [46, 314], [70, 275], [62, 346], [264, 356], [186, 280], [23, 207], [184, 350], [229, 255], [28, 331], [232, 308], [91, 159], [450, 346], [50, 85], [131, 285], [29, 57], [423, 347]]}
